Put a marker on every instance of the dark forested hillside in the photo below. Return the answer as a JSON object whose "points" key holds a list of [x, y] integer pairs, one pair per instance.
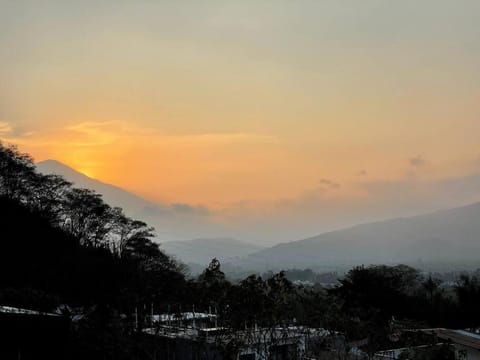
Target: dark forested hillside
{"points": [[63, 249], [66, 244]]}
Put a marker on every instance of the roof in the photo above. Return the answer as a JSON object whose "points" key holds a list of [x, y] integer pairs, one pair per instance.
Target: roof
{"points": [[183, 316], [459, 337], [259, 335], [19, 311]]}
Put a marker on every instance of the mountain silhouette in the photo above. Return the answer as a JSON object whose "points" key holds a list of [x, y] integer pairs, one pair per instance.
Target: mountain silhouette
{"points": [[448, 236], [114, 195]]}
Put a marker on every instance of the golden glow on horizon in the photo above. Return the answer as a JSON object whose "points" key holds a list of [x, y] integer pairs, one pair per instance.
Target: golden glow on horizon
{"points": [[242, 102], [219, 170]]}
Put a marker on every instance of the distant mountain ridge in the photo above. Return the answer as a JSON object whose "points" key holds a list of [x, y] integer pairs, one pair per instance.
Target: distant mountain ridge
{"points": [[201, 251], [444, 236], [113, 195]]}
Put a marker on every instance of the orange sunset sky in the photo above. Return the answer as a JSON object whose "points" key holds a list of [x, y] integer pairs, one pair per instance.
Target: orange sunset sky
{"points": [[305, 114]]}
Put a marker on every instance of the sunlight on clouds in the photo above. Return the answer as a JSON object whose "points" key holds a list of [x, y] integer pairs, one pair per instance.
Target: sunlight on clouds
{"points": [[5, 128], [220, 170], [174, 167]]}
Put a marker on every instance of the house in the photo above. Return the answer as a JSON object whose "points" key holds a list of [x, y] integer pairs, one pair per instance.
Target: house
{"points": [[29, 334], [198, 336], [465, 344], [197, 320]]}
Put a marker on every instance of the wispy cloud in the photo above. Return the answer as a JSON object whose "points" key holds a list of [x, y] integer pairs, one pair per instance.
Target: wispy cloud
{"points": [[97, 134], [5, 128], [329, 184], [107, 132], [417, 161]]}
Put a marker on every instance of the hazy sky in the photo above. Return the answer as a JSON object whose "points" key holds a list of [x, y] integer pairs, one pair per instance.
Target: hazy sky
{"points": [[284, 117]]}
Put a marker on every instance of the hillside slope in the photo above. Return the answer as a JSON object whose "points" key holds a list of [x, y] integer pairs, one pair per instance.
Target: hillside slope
{"points": [[169, 220], [444, 236], [112, 194]]}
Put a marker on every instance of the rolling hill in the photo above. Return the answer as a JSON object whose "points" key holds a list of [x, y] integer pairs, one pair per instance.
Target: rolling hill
{"points": [[448, 236]]}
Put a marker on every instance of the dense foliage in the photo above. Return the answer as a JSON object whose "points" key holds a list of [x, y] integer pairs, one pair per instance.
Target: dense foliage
{"points": [[71, 245]]}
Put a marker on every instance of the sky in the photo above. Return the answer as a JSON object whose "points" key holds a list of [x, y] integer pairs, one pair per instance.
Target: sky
{"points": [[282, 119]]}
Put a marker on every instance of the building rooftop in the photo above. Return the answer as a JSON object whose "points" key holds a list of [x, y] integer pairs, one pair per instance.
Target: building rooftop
{"points": [[19, 311], [183, 316], [460, 337]]}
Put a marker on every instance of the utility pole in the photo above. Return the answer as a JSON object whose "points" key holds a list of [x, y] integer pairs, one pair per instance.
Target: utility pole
{"points": [[151, 314], [193, 308], [136, 318]]}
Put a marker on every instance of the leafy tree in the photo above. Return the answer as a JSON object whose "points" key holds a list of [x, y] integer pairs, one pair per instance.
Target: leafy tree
{"points": [[434, 352], [212, 286], [468, 294], [133, 237], [281, 294], [16, 170], [48, 195], [248, 304], [370, 296]]}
